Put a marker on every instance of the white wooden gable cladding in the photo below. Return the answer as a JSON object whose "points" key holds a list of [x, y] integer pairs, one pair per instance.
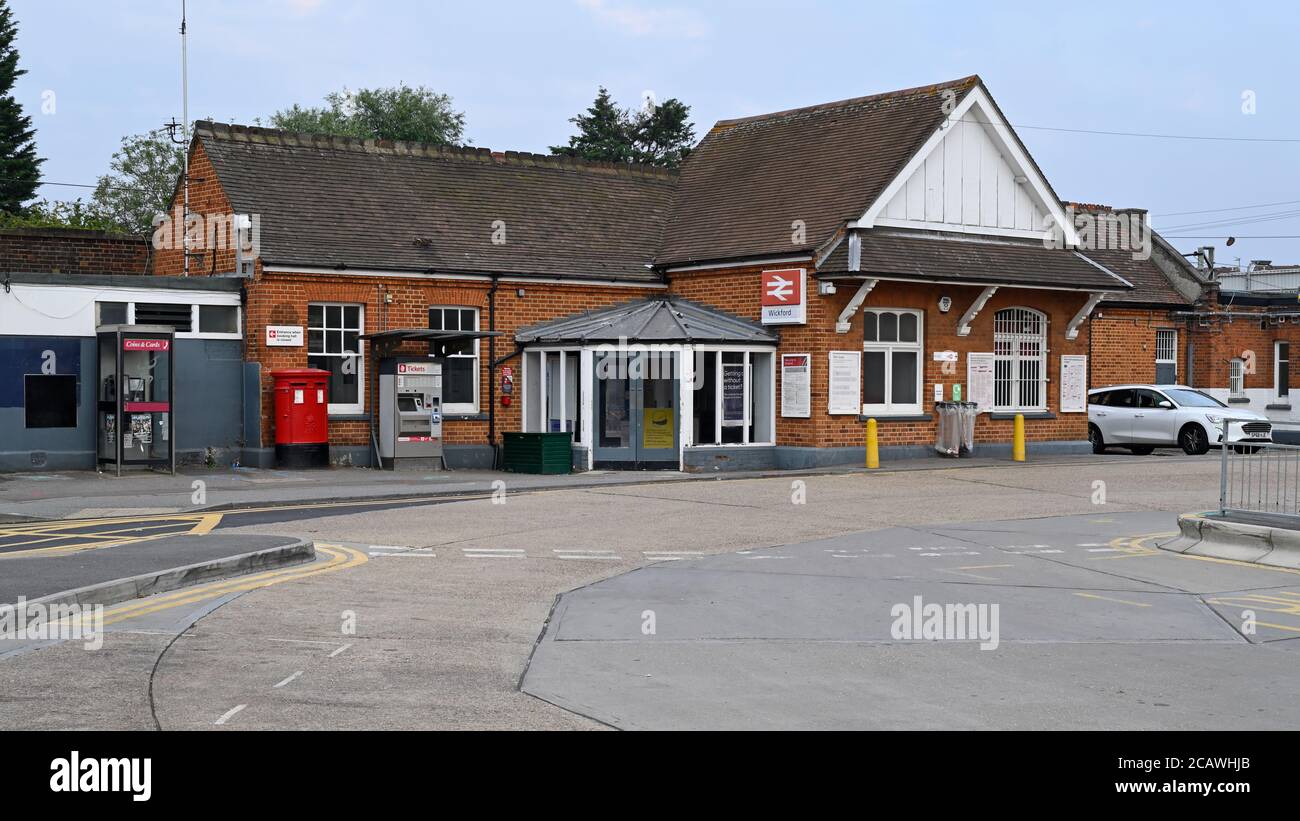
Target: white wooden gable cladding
{"points": [[964, 179]]}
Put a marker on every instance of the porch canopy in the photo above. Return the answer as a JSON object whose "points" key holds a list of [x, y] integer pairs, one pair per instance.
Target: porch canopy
{"points": [[666, 320], [441, 342]]}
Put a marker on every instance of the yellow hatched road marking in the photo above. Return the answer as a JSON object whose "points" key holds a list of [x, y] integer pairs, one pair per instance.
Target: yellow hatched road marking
{"points": [[202, 524]]}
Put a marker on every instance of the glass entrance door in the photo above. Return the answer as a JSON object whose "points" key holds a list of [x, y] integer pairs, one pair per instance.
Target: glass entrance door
{"points": [[637, 411]]}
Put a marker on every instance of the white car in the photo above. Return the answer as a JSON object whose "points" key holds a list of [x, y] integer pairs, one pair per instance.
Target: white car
{"points": [[1144, 417]]}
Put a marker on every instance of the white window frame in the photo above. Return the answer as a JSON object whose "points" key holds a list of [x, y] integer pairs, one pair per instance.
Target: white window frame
{"points": [[1171, 360], [464, 408], [1236, 377], [1015, 359], [1277, 369], [542, 395], [344, 408], [202, 334], [749, 424], [889, 407]]}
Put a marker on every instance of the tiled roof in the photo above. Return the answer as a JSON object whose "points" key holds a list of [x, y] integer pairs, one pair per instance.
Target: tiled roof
{"points": [[672, 319], [750, 179], [960, 257], [1151, 286], [328, 201]]}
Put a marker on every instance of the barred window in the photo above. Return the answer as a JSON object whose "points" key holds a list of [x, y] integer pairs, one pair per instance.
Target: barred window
{"points": [[1236, 377], [1019, 360], [1166, 356]]}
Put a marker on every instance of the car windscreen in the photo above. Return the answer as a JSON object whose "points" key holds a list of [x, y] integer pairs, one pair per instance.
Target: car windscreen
{"points": [[1194, 399]]}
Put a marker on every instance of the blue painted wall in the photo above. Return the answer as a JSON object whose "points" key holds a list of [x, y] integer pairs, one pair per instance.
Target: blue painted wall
{"points": [[209, 402]]}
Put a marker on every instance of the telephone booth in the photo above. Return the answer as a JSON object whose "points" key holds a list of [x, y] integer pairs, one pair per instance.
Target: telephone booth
{"points": [[135, 396]]}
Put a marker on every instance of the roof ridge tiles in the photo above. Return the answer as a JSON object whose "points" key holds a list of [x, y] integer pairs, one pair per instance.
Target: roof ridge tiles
{"points": [[964, 83], [260, 135]]}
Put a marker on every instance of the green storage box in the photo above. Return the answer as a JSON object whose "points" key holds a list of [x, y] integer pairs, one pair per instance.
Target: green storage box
{"points": [[538, 452]]}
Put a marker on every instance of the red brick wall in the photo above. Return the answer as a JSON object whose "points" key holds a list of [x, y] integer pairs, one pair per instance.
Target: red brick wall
{"points": [[282, 298], [207, 198], [1124, 345], [72, 251], [737, 290]]}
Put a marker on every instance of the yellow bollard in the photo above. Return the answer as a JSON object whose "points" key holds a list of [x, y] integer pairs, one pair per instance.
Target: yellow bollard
{"points": [[1018, 439], [873, 448]]}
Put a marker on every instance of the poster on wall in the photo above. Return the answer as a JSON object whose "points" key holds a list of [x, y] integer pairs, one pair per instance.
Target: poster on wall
{"points": [[657, 429], [845, 375], [733, 395], [796, 385], [1074, 383], [979, 380]]}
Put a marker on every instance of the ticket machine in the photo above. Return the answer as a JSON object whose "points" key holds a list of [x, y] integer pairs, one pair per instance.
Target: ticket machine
{"points": [[410, 413]]}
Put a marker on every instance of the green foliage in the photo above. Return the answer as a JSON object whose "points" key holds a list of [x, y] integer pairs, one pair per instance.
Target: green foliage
{"points": [[143, 176], [59, 214], [656, 135], [400, 113], [20, 168]]}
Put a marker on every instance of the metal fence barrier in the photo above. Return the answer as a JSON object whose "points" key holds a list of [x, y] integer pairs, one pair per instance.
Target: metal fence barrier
{"points": [[1261, 479]]}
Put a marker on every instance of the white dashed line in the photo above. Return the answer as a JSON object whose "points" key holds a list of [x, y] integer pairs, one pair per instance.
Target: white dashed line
{"points": [[339, 650], [229, 714], [1103, 550], [376, 551], [493, 553], [286, 681], [587, 555]]}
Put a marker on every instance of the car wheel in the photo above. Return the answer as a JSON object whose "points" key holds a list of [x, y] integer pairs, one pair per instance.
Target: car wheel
{"points": [[1142, 450], [1094, 439], [1193, 440]]}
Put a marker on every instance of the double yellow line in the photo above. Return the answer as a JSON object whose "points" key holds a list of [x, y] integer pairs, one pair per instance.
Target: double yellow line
{"points": [[337, 558]]}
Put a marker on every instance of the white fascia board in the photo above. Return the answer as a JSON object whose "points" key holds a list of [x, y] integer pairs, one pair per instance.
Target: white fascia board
{"points": [[978, 104], [740, 263], [1025, 286], [376, 272]]}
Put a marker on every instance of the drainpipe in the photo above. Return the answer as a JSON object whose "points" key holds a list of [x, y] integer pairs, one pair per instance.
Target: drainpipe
{"points": [[492, 369]]}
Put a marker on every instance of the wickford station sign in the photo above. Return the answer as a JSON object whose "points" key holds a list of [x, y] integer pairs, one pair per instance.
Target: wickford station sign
{"points": [[785, 296]]}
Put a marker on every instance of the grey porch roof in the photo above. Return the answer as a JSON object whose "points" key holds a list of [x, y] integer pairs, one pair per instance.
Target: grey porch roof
{"points": [[649, 321]]}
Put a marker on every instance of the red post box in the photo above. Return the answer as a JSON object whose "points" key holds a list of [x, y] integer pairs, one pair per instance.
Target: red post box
{"points": [[302, 417]]}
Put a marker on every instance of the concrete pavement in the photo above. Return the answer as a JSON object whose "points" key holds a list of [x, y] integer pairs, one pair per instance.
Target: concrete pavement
{"points": [[86, 494], [1104, 633]]}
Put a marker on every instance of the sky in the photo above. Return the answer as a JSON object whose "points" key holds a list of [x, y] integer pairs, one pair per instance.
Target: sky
{"points": [[102, 69]]}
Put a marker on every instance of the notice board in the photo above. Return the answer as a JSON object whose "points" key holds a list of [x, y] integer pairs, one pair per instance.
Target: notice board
{"points": [[1074, 383], [979, 380], [845, 390], [796, 385]]}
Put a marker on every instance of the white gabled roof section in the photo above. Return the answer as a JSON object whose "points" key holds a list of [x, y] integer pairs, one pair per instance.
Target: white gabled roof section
{"points": [[971, 176]]}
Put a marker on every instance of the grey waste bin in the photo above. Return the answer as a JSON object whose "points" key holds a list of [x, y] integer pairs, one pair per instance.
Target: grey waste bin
{"points": [[947, 439], [967, 412]]}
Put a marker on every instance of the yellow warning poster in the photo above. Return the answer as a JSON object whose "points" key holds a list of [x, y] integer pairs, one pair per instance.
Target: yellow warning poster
{"points": [[657, 428]]}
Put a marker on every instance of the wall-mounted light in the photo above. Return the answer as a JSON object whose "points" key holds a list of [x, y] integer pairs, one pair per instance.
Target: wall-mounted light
{"points": [[825, 287], [945, 304], [519, 292]]}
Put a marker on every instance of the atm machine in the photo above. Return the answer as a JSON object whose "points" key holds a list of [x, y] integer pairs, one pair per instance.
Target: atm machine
{"points": [[410, 413]]}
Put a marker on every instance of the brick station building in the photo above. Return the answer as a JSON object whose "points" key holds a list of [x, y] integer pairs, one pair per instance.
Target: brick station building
{"points": [[805, 270]]}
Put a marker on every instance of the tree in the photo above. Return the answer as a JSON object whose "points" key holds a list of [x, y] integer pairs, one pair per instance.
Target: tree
{"points": [[143, 177], [603, 133], [399, 113], [656, 135], [59, 214], [20, 168]]}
